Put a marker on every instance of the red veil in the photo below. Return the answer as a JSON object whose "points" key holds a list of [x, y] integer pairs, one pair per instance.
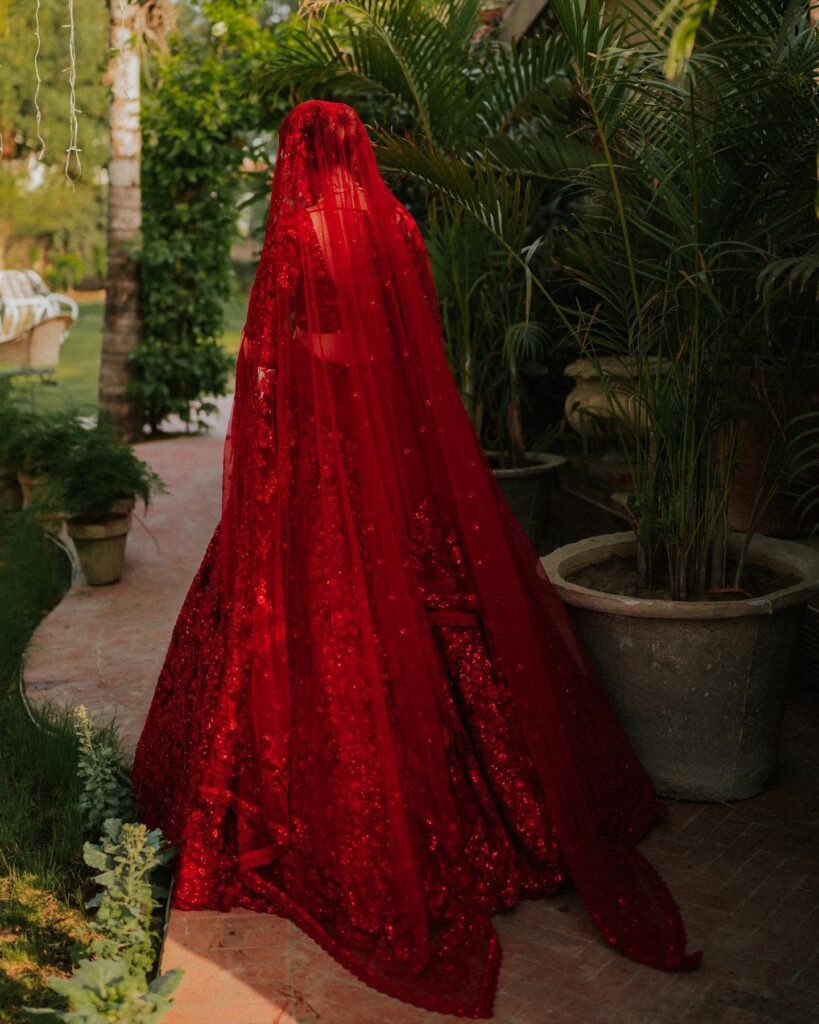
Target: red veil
{"points": [[360, 522]]}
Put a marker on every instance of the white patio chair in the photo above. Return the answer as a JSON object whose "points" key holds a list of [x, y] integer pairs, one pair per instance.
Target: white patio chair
{"points": [[34, 322]]}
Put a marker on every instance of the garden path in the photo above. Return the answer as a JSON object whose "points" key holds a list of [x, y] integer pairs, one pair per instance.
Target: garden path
{"points": [[104, 646], [746, 874]]}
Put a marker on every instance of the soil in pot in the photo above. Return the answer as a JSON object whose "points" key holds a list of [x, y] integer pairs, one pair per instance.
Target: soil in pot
{"points": [[617, 574]]}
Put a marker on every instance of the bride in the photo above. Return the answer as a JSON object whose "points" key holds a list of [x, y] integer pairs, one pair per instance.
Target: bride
{"points": [[374, 716]]}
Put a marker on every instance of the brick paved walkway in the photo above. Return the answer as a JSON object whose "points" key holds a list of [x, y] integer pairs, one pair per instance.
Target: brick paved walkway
{"points": [[746, 874]]}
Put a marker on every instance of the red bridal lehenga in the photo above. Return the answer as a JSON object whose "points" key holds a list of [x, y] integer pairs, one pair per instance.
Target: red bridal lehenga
{"points": [[374, 717]]}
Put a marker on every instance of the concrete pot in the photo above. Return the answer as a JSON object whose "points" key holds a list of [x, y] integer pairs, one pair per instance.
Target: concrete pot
{"points": [[587, 403], [698, 686], [528, 489], [101, 548]]}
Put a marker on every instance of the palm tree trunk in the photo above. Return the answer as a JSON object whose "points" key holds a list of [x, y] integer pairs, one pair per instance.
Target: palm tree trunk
{"points": [[122, 320]]}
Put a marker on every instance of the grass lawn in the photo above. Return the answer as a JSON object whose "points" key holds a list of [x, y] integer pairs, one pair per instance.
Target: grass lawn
{"points": [[74, 384]]}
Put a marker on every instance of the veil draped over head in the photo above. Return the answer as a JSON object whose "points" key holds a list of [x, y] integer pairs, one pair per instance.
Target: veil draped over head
{"points": [[347, 440]]}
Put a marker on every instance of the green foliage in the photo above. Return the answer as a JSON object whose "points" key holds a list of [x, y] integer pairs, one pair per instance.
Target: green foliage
{"points": [[18, 81], [710, 182], [110, 979], [42, 441], [11, 422], [100, 470], [106, 792], [196, 124], [66, 271], [125, 858], [690, 236], [88, 468], [685, 18], [105, 990]]}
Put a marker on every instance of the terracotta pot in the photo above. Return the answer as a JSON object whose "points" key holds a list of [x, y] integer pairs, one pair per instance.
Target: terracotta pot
{"points": [[101, 547], [528, 489], [29, 485], [11, 493], [50, 519], [698, 686]]}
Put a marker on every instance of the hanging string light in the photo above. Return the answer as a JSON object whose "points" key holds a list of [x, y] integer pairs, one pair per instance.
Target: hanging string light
{"points": [[73, 110], [38, 112]]}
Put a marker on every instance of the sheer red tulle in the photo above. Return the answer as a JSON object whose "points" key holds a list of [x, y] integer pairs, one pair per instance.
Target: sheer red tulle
{"points": [[374, 716]]}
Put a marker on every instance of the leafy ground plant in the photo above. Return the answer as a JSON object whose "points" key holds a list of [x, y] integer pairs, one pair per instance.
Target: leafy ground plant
{"points": [[126, 857], [42, 879], [102, 991], [105, 793], [60, 776]]}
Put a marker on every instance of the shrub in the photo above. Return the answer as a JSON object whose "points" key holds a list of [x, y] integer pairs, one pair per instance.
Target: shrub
{"points": [[100, 470], [196, 127], [42, 441]]}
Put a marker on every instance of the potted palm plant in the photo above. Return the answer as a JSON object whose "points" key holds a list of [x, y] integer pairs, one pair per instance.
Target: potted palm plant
{"points": [[495, 345], [98, 483], [707, 198], [691, 262]]}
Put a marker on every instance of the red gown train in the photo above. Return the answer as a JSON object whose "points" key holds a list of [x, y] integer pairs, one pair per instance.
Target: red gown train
{"points": [[374, 716]]}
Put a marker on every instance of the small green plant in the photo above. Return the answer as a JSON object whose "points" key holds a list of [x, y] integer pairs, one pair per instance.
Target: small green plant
{"points": [[109, 982], [125, 857], [102, 991], [106, 792], [43, 440], [100, 470]]}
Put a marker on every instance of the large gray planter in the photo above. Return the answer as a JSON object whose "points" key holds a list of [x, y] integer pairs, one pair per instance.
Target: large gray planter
{"points": [[699, 687], [528, 490]]}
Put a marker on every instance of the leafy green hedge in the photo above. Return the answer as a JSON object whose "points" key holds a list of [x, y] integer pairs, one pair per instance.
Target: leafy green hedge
{"points": [[199, 124]]}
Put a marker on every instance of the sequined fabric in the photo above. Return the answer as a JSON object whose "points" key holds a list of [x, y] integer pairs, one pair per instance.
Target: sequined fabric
{"points": [[374, 716]]}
